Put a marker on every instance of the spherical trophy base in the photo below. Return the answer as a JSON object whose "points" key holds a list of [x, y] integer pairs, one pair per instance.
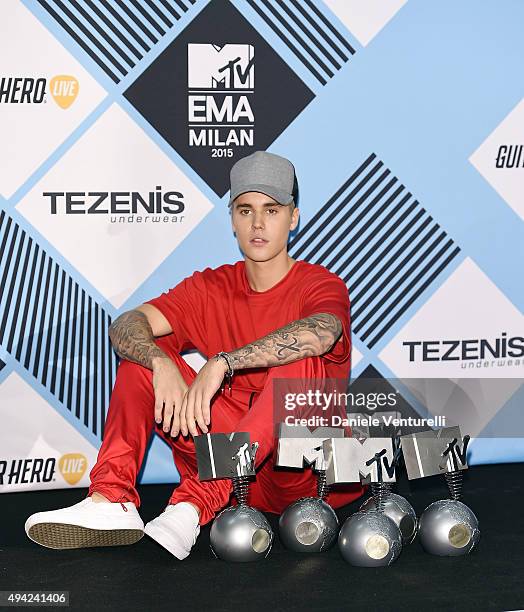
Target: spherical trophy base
{"points": [[308, 525], [369, 539], [448, 528], [240, 534], [400, 511]]}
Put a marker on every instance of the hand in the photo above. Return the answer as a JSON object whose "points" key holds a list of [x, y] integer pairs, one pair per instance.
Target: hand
{"points": [[196, 403], [170, 388]]}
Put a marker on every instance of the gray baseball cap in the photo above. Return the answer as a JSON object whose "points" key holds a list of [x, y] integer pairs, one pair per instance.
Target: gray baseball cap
{"points": [[263, 172]]}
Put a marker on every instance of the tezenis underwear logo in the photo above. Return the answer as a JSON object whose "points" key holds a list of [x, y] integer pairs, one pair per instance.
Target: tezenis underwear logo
{"points": [[505, 350], [157, 206], [220, 80], [26, 90], [72, 467]]}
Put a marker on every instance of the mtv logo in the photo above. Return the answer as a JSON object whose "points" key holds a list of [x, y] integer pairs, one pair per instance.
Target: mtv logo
{"points": [[221, 73], [350, 460], [427, 453], [225, 455], [298, 446], [210, 66]]}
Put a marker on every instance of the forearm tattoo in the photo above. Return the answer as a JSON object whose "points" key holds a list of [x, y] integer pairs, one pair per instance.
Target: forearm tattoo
{"points": [[309, 337], [132, 338]]}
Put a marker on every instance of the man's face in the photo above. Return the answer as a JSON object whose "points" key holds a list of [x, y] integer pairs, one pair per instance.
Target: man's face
{"points": [[262, 225]]}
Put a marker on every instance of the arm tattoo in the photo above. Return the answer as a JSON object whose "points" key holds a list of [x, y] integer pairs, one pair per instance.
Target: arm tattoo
{"points": [[132, 338], [309, 337]]}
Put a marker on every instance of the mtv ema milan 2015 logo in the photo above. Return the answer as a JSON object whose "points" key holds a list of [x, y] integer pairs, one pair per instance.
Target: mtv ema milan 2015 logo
{"points": [[220, 80], [209, 110]]}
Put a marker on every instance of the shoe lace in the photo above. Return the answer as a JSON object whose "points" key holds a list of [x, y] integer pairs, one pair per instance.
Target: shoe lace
{"points": [[119, 500]]}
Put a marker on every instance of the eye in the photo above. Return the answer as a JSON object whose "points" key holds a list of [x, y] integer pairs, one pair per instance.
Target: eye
{"points": [[272, 210], [244, 210]]}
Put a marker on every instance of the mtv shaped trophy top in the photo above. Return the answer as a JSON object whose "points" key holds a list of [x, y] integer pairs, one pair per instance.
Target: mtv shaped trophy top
{"points": [[298, 446], [367, 461], [225, 455], [434, 452]]}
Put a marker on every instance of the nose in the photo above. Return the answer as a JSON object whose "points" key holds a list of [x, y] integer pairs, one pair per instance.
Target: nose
{"points": [[258, 220]]}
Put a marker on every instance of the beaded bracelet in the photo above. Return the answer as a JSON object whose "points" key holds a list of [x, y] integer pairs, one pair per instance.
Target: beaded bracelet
{"points": [[230, 371]]}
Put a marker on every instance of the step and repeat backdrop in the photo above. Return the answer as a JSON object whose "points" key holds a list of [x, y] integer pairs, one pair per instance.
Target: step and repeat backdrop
{"points": [[119, 122]]}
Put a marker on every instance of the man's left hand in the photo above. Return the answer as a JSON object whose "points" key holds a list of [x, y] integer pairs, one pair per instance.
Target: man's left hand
{"points": [[196, 406]]}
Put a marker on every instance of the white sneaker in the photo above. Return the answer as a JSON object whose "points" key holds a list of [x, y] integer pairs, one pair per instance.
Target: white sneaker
{"points": [[176, 529], [86, 524]]}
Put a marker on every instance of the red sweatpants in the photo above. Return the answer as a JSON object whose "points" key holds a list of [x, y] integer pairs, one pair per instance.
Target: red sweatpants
{"points": [[130, 422]]}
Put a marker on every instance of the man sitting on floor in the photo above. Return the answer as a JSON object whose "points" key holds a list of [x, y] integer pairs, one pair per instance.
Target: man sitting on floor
{"points": [[266, 317]]}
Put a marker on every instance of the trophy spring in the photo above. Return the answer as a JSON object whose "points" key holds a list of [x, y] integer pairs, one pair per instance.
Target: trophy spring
{"points": [[322, 485], [241, 488], [380, 492], [454, 482]]}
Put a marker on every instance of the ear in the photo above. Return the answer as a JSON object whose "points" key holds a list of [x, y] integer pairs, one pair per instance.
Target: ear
{"points": [[294, 219], [232, 223]]}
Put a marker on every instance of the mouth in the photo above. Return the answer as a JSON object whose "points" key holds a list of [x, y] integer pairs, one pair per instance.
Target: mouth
{"points": [[258, 241]]}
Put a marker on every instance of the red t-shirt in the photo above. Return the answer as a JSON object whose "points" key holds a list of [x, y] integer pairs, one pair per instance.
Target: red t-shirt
{"points": [[216, 310]]}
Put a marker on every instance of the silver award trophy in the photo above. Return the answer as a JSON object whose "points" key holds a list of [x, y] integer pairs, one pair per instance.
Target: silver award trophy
{"points": [[371, 538], [238, 533], [309, 524], [399, 510], [447, 527]]}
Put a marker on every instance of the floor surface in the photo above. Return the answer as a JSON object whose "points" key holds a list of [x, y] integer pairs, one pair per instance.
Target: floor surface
{"points": [[146, 577]]}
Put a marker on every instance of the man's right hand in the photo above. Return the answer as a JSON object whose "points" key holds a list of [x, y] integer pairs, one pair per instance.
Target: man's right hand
{"points": [[170, 388]]}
